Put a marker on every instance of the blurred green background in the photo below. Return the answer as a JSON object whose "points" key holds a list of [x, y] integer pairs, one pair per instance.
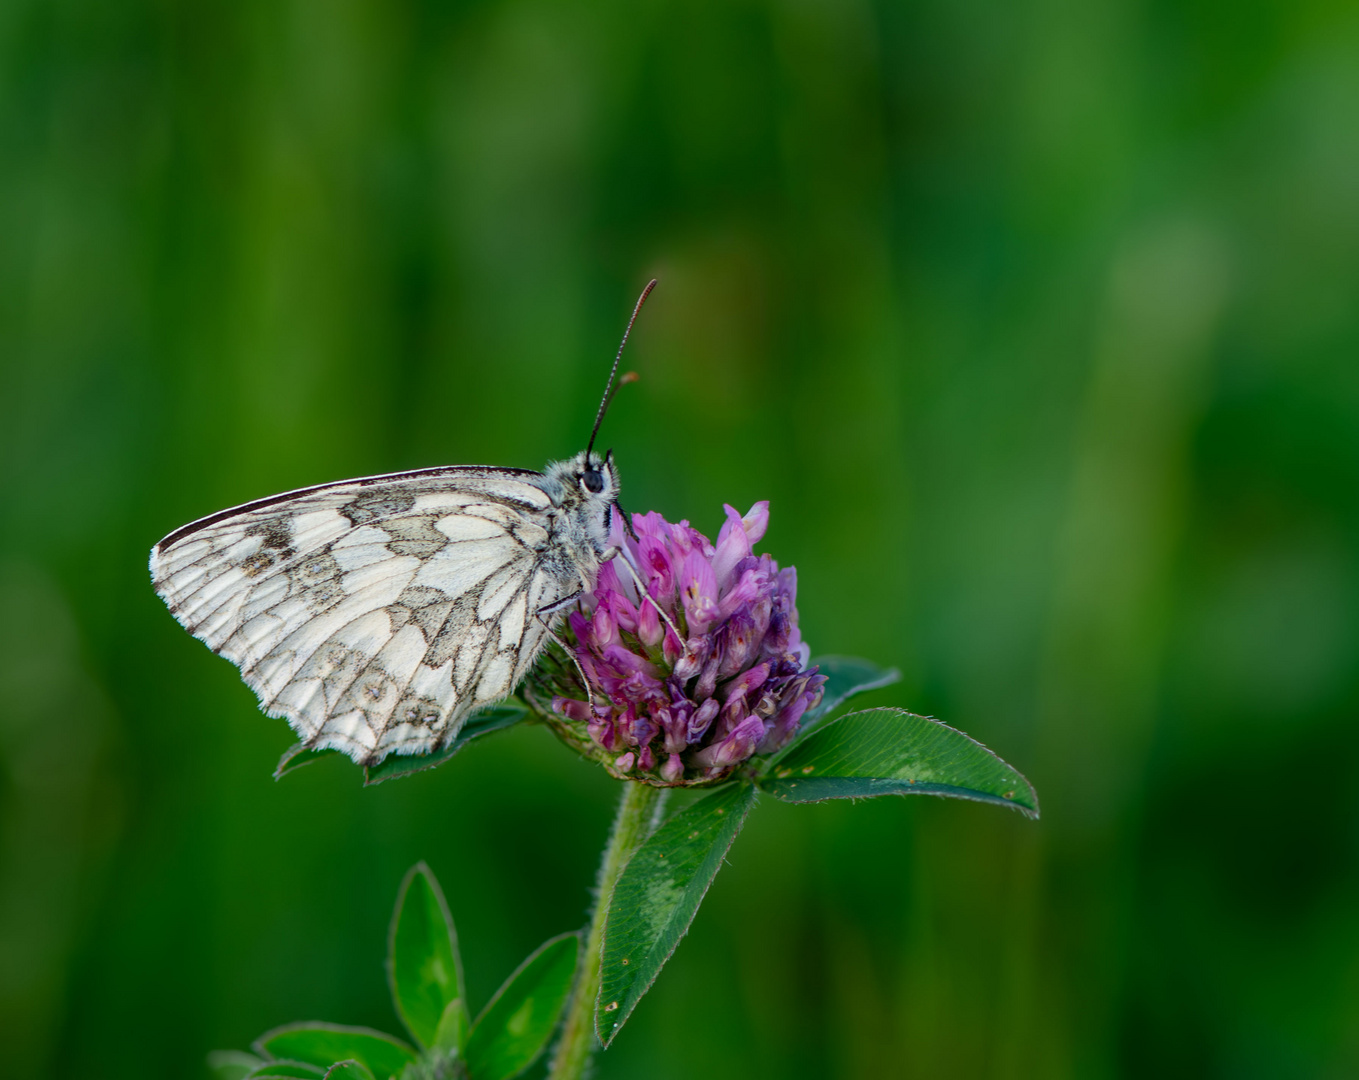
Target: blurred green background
{"points": [[1037, 322]]}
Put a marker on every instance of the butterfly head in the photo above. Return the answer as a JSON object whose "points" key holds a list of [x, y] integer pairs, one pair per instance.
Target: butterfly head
{"points": [[588, 479], [596, 477], [596, 474]]}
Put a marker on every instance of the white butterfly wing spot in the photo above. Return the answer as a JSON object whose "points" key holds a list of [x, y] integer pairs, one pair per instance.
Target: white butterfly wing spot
{"points": [[373, 615]]}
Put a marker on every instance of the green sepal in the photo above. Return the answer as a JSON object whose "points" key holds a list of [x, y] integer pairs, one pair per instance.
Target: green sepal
{"points": [[317, 1043], [424, 970], [516, 1024], [657, 896], [845, 677], [894, 752], [395, 766], [232, 1064]]}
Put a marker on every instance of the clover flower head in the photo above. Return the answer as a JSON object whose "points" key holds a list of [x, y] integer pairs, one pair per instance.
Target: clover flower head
{"points": [[695, 672]]}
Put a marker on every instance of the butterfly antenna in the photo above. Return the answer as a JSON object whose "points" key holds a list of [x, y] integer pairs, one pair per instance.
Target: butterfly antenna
{"points": [[611, 389]]}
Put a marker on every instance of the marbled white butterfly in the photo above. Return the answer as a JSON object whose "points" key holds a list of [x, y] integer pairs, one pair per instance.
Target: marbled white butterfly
{"points": [[376, 614]]}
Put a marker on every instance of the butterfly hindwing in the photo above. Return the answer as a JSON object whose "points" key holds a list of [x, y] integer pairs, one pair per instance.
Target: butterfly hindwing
{"points": [[373, 614]]}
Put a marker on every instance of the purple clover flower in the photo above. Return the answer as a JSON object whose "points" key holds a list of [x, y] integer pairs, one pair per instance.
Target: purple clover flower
{"points": [[685, 682]]}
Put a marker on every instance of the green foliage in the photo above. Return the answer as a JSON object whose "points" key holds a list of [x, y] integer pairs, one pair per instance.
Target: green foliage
{"points": [[875, 752], [298, 756], [451, 1033], [424, 968], [289, 1070], [232, 1064], [514, 1027], [845, 677], [353, 1070], [893, 752], [425, 978], [324, 1044], [496, 718], [658, 895]]}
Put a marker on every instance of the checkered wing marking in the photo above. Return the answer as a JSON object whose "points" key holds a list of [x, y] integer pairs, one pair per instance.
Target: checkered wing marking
{"points": [[373, 615]]}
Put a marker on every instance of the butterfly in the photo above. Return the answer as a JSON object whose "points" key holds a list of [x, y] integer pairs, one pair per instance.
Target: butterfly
{"points": [[376, 614]]}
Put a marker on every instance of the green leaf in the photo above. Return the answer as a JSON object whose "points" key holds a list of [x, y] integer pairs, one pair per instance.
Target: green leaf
{"points": [[317, 1043], [296, 756], [395, 766], [514, 1027], [893, 752], [657, 896], [496, 718], [287, 1070], [452, 1031], [423, 967], [232, 1064], [352, 1070], [845, 677]]}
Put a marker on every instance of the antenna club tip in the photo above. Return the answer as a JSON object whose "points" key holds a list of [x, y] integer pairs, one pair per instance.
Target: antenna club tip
{"points": [[628, 377]]}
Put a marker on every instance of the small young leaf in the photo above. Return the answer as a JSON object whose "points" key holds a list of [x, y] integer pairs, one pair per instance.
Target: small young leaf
{"points": [[423, 966], [451, 1033], [353, 1070], [514, 1027], [296, 756], [657, 896], [318, 1043], [845, 677], [496, 718], [232, 1064], [287, 1070], [893, 752]]}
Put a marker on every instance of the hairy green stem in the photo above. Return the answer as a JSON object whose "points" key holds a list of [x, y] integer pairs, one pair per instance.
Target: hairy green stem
{"points": [[636, 818]]}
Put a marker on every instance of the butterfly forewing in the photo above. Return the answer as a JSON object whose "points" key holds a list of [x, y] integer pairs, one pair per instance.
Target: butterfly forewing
{"points": [[373, 614]]}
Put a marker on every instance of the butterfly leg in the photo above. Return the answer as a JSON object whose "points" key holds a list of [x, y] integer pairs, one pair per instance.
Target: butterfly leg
{"points": [[627, 522], [643, 590], [610, 553], [543, 615]]}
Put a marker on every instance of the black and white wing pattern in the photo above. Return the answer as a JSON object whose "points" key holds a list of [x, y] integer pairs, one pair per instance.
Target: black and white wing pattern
{"points": [[374, 614]]}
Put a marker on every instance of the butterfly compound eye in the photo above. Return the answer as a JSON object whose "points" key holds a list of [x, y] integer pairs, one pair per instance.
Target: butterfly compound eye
{"points": [[594, 483]]}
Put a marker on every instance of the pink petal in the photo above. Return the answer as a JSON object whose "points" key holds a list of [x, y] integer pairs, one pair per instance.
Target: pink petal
{"points": [[698, 590], [756, 521], [733, 545]]}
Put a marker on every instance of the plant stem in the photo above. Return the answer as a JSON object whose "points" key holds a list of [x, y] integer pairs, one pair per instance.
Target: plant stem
{"points": [[632, 824]]}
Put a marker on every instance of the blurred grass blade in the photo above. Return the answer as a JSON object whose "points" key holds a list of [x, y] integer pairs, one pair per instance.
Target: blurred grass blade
{"points": [[894, 752], [657, 897], [287, 1070], [845, 677], [317, 1043], [232, 1064], [423, 966], [297, 756], [514, 1027], [496, 718]]}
